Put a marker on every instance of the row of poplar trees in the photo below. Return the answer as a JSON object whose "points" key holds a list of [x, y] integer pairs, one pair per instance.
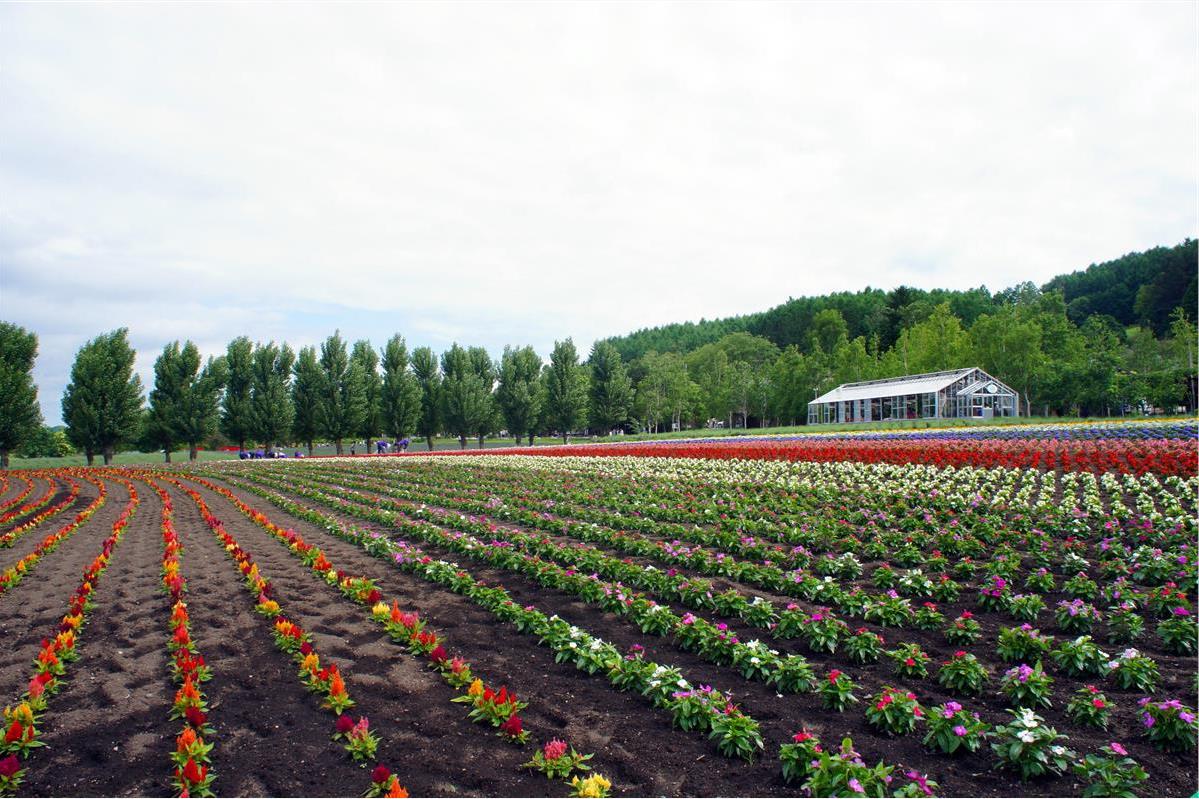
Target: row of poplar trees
{"points": [[268, 394]]}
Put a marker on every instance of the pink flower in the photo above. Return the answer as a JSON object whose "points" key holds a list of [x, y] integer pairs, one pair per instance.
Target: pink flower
{"points": [[959, 731], [1118, 749], [856, 786], [554, 749]]}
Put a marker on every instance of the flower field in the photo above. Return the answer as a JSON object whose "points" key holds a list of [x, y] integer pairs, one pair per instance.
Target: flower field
{"points": [[904, 614]]}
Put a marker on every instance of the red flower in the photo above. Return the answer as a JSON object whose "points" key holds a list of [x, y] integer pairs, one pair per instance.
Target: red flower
{"points": [[305, 649], [344, 723], [834, 675], [14, 732], [800, 737], [380, 774], [195, 716], [9, 766], [438, 655], [194, 773], [374, 596], [512, 727]]}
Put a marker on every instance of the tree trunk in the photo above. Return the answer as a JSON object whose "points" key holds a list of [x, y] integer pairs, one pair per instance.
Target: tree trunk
{"points": [[369, 440], [530, 439], [480, 442], [518, 439], [108, 453], [192, 451], [566, 438], [241, 444], [3, 459], [429, 442], [166, 455], [309, 449], [461, 442], [91, 456], [338, 444]]}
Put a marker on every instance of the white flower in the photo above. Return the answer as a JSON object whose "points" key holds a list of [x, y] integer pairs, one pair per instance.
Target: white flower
{"points": [[1058, 750], [1027, 737]]}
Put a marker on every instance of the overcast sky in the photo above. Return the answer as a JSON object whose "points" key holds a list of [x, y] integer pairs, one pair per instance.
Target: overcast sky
{"points": [[512, 174]]}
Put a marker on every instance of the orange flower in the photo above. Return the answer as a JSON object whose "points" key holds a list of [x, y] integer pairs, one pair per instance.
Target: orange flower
{"points": [[184, 741], [336, 686], [395, 789]]}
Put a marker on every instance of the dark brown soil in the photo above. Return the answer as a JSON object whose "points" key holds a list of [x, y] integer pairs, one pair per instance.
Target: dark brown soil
{"points": [[967, 775], [109, 731]]}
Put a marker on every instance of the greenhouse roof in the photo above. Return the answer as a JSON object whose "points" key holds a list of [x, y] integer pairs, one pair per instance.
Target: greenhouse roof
{"points": [[893, 386]]}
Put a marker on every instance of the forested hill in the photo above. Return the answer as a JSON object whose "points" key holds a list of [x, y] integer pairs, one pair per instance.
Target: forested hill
{"points": [[1139, 288]]}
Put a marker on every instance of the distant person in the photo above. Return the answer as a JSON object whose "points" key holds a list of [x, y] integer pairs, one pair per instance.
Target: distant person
{"points": [[380, 447], [353, 451], [242, 454], [404, 444], [299, 454]]}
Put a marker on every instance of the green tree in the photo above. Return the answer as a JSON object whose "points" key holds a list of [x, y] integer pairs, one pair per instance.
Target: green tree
{"points": [[488, 419], [199, 405], [271, 410], [46, 442], [306, 392], [466, 393], [709, 368], [20, 417], [936, 344], [1009, 348], [791, 386], [370, 423], [401, 392], [236, 422], [340, 408], [424, 369], [184, 401], [611, 390], [158, 424], [519, 392], [566, 389], [102, 403]]}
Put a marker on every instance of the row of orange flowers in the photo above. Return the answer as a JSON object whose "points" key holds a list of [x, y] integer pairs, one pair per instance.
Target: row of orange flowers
{"points": [[36, 504], [12, 535], [20, 497], [191, 759], [21, 735], [15, 573], [357, 738]]}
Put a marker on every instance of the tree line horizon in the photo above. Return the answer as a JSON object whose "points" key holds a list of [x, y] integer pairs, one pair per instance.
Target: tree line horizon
{"points": [[1113, 336]]}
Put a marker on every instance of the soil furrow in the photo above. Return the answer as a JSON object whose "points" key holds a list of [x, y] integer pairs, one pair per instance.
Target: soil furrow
{"points": [[31, 610], [634, 742], [108, 732]]}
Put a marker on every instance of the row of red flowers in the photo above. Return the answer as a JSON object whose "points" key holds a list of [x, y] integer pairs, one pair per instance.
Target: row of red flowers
{"points": [[36, 504], [289, 637], [191, 759], [1161, 456], [21, 496], [12, 535], [21, 734], [15, 573]]}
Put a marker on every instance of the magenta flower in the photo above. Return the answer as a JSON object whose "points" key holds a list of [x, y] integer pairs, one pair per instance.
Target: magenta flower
{"points": [[959, 731], [1118, 749]]}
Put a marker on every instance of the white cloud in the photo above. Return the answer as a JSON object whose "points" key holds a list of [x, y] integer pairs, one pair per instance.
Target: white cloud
{"points": [[516, 173]]}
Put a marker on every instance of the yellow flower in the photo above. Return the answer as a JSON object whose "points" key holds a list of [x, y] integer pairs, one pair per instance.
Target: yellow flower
{"points": [[593, 787], [476, 688], [380, 610]]}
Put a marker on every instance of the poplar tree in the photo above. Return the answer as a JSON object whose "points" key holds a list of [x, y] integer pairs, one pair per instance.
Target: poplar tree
{"points": [[271, 411], [566, 390], [236, 423], [172, 370], [20, 417], [370, 423], [519, 393], [611, 390], [424, 369], [102, 404], [305, 397], [401, 392], [339, 410], [466, 392]]}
